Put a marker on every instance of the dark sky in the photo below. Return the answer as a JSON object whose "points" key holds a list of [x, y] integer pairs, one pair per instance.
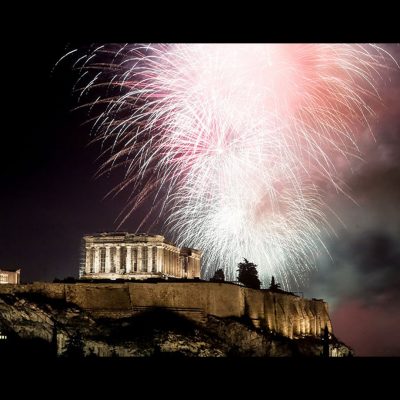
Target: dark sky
{"points": [[361, 283], [50, 199]]}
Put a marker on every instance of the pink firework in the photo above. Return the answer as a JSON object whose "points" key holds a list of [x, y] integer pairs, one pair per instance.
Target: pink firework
{"points": [[233, 140]]}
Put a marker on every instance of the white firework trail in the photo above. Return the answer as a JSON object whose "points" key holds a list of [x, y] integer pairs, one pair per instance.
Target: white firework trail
{"points": [[233, 140]]}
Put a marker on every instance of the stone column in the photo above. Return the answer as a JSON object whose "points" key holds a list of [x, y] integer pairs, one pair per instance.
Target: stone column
{"points": [[170, 261], [128, 262], [198, 267], [174, 263], [149, 258], [177, 266], [118, 259], [135, 262], [96, 260], [139, 259], [174, 272], [88, 254], [182, 266], [190, 266], [108, 260], [168, 257], [159, 258], [166, 271]]}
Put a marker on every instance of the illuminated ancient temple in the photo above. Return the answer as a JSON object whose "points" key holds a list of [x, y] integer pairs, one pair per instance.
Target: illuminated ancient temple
{"points": [[115, 255]]}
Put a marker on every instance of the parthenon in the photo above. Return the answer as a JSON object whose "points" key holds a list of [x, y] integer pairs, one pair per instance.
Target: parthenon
{"points": [[113, 255]]}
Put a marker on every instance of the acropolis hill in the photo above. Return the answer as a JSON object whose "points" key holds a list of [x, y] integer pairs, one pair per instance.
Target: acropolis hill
{"points": [[220, 317]]}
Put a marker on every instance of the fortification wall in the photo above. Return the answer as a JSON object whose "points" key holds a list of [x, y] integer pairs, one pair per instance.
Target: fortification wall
{"points": [[289, 315]]}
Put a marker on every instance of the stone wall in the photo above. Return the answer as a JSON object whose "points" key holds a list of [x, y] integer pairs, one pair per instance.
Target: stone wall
{"points": [[286, 314]]}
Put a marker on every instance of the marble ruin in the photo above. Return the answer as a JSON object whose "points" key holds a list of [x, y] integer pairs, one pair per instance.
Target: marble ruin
{"points": [[12, 276], [122, 255]]}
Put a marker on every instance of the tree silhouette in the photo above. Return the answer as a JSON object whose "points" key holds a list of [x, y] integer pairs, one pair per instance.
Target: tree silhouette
{"points": [[248, 274], [273, 285], [219, 276], [74, 347], [325, 342]]}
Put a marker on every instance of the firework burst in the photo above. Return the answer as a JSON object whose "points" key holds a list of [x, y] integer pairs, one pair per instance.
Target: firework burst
{"points": [[232, 141]]}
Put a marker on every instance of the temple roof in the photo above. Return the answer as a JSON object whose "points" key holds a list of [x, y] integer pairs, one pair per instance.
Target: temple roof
{"points": [[10, 269]]}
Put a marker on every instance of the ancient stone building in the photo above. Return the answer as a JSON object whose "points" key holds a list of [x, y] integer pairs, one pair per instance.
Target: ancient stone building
{"points": [[113, 255], [10, 276]]}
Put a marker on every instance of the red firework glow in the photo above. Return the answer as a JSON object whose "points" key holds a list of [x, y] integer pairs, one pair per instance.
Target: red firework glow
{"points": [[234, 140]]}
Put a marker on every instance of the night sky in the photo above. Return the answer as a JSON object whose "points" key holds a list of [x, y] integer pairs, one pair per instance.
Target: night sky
{"points": [[50, 199]]}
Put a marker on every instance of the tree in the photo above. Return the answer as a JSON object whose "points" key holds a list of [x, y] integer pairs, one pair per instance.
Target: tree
{"points": [[219, 276], [273, 285], [248, 274], [75, 347], [325, 342]]}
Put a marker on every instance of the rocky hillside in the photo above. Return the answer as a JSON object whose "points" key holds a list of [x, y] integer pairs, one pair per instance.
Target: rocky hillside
{"points": [[35, 324]]}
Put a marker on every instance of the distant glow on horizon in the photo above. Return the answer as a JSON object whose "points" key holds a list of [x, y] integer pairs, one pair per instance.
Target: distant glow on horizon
{"points": [[234, 141]]}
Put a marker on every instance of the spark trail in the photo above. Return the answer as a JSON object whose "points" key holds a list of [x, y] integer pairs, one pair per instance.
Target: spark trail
{"points": [[234, 142]]}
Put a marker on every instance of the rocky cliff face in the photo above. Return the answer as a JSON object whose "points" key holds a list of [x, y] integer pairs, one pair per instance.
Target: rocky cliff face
{"points": [[281, 312], [33, 320]]}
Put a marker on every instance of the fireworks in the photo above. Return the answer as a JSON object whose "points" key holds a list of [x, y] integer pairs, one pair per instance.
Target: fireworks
{"points": [[232, 141]]}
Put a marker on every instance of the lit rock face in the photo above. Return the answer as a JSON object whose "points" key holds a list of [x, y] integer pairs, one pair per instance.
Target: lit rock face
{"points": [[136, 256], [118, 320]]}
